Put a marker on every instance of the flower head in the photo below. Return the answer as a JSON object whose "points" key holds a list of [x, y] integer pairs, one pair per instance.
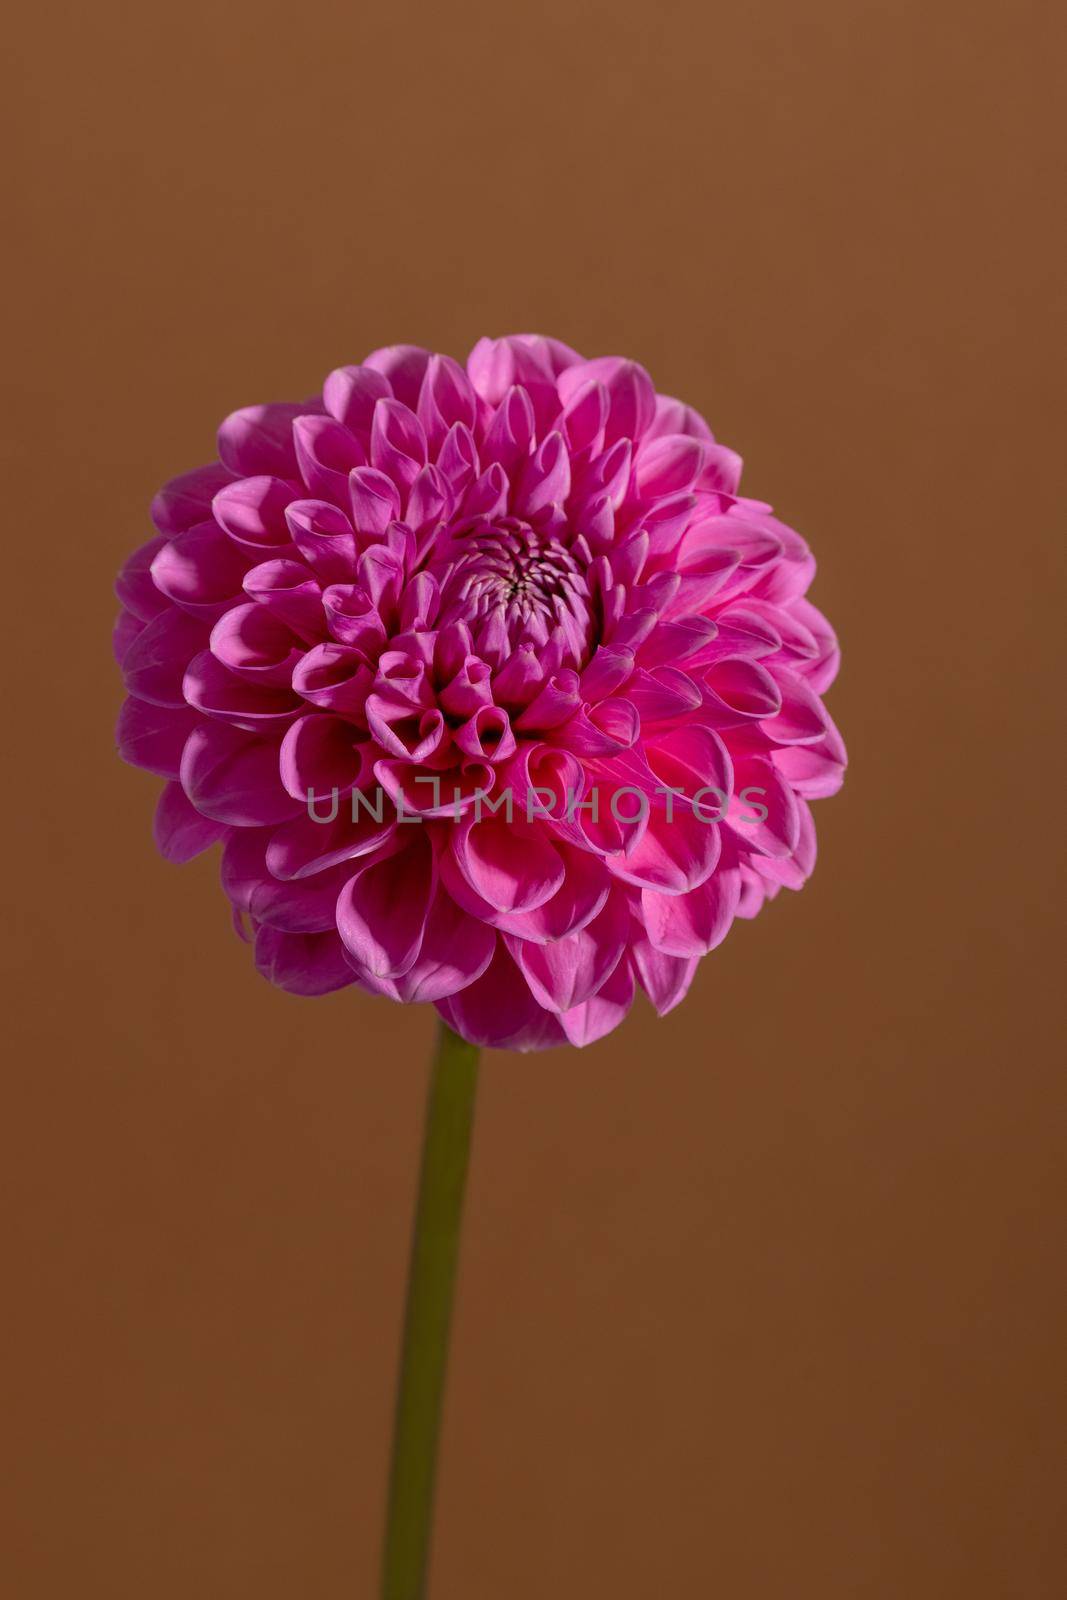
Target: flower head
{"points": [[495, 690]]}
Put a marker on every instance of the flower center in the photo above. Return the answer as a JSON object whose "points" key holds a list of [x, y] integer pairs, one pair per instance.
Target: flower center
{"points": [[511, 574]]}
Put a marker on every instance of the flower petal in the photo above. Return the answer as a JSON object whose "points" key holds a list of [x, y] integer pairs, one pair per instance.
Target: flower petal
{"points": [[153, 737], [382, 910], [302, 963], [512, 866], [259, 439], [180, 831], [232, 776], [569, 971], [498, 1010], [665, 979], [691, 924], [154, 665], [602, 1013]]}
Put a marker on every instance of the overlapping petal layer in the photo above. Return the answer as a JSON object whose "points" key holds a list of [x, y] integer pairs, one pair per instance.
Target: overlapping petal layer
{"points": [[498, 693]]}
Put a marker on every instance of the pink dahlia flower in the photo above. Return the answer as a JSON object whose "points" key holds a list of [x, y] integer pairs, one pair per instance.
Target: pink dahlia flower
{"points": [[496, 692]]}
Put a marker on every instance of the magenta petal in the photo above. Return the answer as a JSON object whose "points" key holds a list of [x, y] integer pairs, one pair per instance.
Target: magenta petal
{"points": [[679, 844], [181, 832], [382, 911], [217, 692], [665, 695], [498, 1010], [755, 893], [813, 770], [497, 365], [446, 792], [510, 435], [292, 597], [487, 496], [350, 395], [631, 397], [628, 559], [445, 399], [303, 963], [798, 717], [126, 629], [722, 469], [200, 570], [742, 634], [608, 672], [601, 1014], [253, 642], [135, 585], [252, 511], [153, 737], [577, 901], [315, 840], [466, 688], [760, 787], [668, 465], [673, 643], [690, 759], [670, 856], [335, 677], [232, 777], [545, 480], [692, 924], [306, 905], [584, 418], [458, 461], [397, 443], [554, 704], [380, 575], [320, 754], [430, 500], [517, 681], [796, 646], [326, 453], [405, 731], [404, 365], [738, 690], [665, 979], [749, 547], [352, 616], [569, 971], [456, 949], [552, 355], [187, 499], [512, 866], [259, 439], [154, 665], [604, 729], [243, 866], [375, 501], [792, 872], [487, 735], [672, 416], [821, 672], [696, 592], [607, 479], [324, 537]]}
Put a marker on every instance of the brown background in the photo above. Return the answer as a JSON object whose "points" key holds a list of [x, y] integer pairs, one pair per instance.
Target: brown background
{"points": [[762, 1301]]}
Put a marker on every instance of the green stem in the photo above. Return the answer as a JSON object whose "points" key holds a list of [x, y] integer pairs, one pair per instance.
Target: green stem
{"points": [[431, 1282]]}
